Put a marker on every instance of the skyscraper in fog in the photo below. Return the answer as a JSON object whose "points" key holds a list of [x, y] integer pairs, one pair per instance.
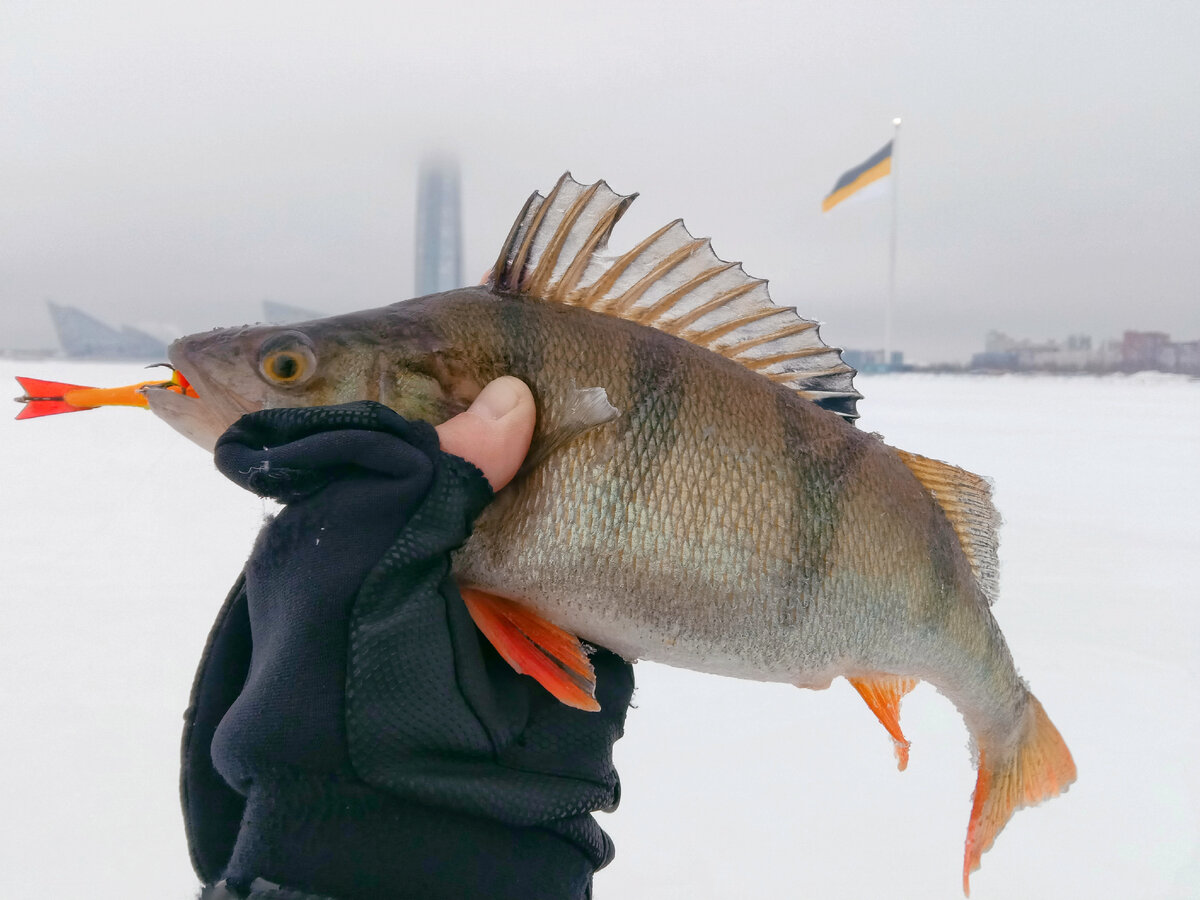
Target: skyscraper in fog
{"points": [[439, 229]]}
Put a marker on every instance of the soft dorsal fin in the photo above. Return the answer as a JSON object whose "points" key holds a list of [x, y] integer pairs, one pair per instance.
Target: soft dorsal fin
{"points": [[966, 498], [671, 281]]}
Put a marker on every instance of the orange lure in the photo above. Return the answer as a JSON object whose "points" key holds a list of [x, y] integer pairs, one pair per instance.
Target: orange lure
{"points": [[48, 398]]}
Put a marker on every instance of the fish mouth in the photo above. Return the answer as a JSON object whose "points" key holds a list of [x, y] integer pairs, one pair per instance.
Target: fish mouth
{"points": [[203, 418]]}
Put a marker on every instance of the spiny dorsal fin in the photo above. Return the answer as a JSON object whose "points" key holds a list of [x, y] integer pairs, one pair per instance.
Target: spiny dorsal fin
{"points": [[670, 281], [966, 498]]}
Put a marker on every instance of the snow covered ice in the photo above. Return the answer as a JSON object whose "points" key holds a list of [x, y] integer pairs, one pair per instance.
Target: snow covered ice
{"points": [[120, 541]]}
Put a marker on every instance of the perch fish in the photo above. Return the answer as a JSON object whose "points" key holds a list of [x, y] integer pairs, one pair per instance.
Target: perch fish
{"points": [[697, 492]]}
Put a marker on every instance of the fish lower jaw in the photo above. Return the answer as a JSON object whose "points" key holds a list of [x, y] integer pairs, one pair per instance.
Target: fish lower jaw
{"points": [[195, 419]]}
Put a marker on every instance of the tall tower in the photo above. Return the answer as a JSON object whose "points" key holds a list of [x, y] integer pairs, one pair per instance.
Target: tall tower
{"points": [[439, 226]]}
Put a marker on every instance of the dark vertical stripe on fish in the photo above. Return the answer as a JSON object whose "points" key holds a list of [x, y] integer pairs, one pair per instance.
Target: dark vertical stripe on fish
{"points": [[523, 337], [821, 470], [522, 349], [656, 391]]}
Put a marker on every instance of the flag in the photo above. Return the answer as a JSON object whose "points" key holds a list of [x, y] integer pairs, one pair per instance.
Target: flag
{"points": [[878, 166]]}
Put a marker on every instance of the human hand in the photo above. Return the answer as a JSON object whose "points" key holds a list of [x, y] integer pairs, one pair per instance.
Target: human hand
{"points": [[348, 722]]}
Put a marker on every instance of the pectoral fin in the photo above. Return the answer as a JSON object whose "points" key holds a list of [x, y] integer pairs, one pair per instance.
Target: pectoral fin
{"points": [[532, 646], [583, 410], [883, 694]]}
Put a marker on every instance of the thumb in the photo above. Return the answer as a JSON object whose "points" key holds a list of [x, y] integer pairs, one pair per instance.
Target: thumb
{"points": [[494, 433]]}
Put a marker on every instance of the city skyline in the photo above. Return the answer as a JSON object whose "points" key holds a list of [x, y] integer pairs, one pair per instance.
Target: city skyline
{"points": [[171, 170]]}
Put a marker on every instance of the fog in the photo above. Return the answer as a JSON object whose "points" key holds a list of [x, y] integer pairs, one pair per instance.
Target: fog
{"points": [[171, 168]]}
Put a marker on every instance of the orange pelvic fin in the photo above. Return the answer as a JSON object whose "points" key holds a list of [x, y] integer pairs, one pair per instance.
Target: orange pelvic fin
{"points": [[883, 694], [48, 398], [1039, 767], [534, 647]]}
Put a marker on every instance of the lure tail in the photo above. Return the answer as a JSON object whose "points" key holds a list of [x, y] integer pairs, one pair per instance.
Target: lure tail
{"points": [[49, 398], [46, 398], [1037, 768]]}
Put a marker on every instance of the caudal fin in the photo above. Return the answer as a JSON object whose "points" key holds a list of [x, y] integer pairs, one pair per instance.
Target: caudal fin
{"points": [[1037, 768]]}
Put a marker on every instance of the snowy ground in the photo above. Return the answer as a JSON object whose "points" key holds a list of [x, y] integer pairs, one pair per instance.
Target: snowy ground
{"points": [[119, 541]]}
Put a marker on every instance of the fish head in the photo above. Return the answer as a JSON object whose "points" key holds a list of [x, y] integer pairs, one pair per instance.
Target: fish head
{"points": [[393, 355]]}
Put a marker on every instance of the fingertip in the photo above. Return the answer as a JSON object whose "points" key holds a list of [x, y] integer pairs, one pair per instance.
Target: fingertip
{"points": [[495, 432], [502, 397]]}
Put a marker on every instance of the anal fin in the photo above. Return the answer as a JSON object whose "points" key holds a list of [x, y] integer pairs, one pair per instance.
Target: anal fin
{"points": [[883, 694], [532, 646]]}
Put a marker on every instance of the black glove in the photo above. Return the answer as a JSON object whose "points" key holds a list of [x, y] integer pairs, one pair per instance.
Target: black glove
{"points": [[351, 733]]}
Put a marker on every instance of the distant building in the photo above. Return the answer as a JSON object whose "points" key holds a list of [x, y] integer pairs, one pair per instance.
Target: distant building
{"points": [[85, 337], [1003, 352], [1136, 350], [439, 228], [873, 361], [1144, 349], [1182, 357]]}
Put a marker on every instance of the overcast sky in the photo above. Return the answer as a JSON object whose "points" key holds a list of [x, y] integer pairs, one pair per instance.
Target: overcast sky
{"points": [[171, 166]]}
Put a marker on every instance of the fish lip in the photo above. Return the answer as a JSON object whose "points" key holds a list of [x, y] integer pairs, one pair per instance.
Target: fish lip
{"points": [[201, 415], [227, 406], [205, 412]]}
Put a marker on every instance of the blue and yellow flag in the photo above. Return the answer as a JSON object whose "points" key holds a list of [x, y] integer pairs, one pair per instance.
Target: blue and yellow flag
{"points": [[859, 177]]}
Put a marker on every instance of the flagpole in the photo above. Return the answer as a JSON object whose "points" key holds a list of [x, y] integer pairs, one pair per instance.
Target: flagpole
{"points": [[891, 299]]}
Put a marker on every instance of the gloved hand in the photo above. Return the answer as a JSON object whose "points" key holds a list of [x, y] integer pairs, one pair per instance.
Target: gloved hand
{"points": [[351, 734]]}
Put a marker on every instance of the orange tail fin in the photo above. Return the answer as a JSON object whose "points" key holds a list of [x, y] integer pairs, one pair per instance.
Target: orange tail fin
{"points": [[1039, 767]]}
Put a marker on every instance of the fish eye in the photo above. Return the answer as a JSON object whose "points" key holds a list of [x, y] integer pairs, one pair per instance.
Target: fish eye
{"points": [[287, 359]]}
